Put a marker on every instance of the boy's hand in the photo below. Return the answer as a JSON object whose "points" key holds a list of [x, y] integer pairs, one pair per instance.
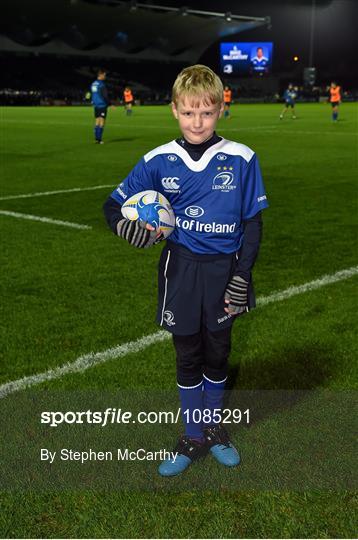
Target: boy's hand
{"points": [[159, 236], [138, 233], [236, 295]]}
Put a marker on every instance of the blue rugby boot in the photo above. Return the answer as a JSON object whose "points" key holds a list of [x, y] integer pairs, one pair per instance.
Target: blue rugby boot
{"points": [[218, 441], [188, 450]]}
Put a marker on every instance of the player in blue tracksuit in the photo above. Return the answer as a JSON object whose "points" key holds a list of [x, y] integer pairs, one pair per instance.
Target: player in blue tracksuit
{"points": [[100, 102], [216, 191], [289, 96]]}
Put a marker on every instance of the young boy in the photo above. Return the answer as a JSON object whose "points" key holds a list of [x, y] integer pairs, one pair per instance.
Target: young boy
{"points": [[289, 96], [205, 267]]}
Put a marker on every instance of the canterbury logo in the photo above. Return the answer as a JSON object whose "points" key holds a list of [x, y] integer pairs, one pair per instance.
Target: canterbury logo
{"points": [[170, 183]]}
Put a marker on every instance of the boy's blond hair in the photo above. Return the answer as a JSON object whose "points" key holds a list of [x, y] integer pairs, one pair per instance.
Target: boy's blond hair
{"points": [[198, 83]]}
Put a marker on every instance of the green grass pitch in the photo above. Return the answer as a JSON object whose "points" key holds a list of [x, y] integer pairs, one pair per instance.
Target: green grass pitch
{"points": [[67, 292]]}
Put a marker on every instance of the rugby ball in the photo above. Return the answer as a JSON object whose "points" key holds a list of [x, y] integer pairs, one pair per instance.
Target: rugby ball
{"points": [[152, 207]]}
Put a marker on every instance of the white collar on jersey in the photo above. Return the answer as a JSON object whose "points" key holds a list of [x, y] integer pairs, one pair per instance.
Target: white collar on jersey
{"points": [[226, 147]]}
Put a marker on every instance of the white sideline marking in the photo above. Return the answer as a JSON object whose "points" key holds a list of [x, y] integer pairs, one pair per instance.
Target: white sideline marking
{"points": [[310, 286], [84, 362], [94, 359], [44, 220], [44, 193]]}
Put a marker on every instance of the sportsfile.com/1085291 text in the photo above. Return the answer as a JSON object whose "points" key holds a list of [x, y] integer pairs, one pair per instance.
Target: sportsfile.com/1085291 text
{"points": [[120, 416]]}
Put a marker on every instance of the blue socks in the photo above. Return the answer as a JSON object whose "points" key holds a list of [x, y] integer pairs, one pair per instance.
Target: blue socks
{"points": [[213, 398], [191, 399], [335, 116], [98, 131], [194, 400]]}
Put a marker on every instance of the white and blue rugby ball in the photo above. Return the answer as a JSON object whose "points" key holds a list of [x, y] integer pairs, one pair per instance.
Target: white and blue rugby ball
{"points": [[152, 207]]}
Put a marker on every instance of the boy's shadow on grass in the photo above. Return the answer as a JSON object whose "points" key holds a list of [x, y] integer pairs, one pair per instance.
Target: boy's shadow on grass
{"points": [[279, 381]]}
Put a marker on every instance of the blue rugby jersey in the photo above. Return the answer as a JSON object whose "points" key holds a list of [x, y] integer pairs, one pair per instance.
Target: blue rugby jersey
{"points": [[289, 96], [99, 94], [259, 64], [210, 197]]}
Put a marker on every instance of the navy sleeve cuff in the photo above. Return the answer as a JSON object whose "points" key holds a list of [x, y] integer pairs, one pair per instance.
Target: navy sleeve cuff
{"points": [[112, 213], [250, 246]]}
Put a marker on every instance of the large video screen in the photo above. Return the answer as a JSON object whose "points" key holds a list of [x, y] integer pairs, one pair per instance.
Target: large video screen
{"points": [[246, 58]]}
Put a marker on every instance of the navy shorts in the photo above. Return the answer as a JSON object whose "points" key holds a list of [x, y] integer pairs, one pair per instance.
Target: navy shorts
{"points": [[191, 290], [289, 104], [100, 112], [334, 103]]}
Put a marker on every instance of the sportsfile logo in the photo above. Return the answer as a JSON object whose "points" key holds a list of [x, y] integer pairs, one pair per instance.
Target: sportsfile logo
{"points": [[170, 184], [197, 226]]}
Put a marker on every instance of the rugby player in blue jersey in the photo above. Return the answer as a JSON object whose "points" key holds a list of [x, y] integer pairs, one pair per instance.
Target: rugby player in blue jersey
{"points": [[205, 282], [289, 96], [100, 102]]}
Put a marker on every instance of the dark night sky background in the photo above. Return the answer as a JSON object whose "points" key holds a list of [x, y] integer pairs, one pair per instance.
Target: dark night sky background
{"points": [[335, 36], [335, 43]]}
